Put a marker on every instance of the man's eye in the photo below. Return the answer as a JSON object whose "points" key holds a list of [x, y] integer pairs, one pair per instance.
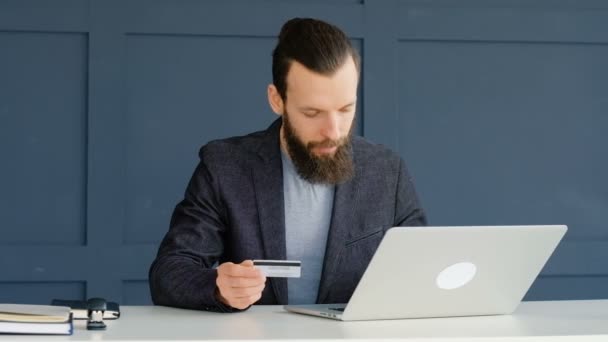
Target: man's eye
{"points": [[311, 113]]}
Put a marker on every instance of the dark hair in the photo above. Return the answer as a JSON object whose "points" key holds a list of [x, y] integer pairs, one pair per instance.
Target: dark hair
{"points": [[319, 46]]}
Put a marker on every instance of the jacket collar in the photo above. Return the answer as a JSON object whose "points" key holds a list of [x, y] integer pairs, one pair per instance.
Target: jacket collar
{"points": [[268, 183]]}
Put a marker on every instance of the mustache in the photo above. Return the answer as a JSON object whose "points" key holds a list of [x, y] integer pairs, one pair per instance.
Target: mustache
{"points": [[327, 143]]}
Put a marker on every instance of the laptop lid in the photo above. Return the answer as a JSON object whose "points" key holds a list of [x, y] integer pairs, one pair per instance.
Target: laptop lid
{"points": [[420, 272]]}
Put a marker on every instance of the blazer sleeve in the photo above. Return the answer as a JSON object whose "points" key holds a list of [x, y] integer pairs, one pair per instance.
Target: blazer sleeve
{"points": [[408, 211], [183, 273]]}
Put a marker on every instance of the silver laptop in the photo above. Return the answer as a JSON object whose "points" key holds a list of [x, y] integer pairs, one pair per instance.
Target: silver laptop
{"points": [[420, 272]]}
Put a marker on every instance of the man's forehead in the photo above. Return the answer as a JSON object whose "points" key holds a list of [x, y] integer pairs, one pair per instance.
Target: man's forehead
{"points": [[341, 84]]}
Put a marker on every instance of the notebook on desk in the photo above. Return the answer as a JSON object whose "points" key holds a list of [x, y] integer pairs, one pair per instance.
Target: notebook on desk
{"points": [[421, 272], [35, 319]]}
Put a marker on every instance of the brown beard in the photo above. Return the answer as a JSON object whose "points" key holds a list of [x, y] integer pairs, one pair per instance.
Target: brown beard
{"points": [[331, 169]]}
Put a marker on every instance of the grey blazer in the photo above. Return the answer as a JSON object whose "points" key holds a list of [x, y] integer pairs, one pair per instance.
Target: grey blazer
{"points": [[233, 210]]}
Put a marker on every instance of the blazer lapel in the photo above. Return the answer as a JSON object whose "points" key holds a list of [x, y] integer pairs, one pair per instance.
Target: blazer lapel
{"points": [[268, 183], [341, 221]]}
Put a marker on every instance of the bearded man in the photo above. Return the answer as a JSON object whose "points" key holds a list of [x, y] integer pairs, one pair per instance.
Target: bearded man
{"points": [[305, 189]]}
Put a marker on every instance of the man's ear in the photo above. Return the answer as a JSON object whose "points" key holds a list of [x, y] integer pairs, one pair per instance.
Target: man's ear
{"points": [[275, 100]]}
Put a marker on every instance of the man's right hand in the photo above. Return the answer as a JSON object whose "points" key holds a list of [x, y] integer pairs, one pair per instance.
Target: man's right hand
{"points": [[239, 285]]}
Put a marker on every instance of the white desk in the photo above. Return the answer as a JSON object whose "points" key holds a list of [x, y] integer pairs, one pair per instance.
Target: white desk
{"points": [[533, 321]]}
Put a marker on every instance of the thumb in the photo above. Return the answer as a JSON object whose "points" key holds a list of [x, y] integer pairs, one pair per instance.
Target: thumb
{"points": [[247, 263]]}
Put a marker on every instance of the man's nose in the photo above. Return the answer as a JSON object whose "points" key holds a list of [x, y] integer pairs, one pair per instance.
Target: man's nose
{"points": [[331, 128]]}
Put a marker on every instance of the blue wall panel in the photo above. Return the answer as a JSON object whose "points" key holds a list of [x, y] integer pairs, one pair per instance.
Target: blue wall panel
{"points": [[560, 288], [43, 137], [522, 142], [497, 106], [39, 292], [135, 292]]}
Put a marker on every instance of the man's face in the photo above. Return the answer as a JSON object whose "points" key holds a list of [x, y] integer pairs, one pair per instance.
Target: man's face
{"points": [[318, 119]]}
